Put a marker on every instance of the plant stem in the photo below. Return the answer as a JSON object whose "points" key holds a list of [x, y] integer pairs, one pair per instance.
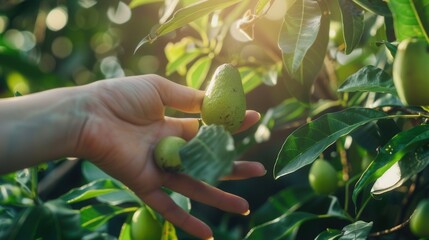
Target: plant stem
{"points": [[390, 230], [362, 208]]}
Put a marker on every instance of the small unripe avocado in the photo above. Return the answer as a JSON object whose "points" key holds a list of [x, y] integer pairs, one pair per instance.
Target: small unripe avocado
{"points": [[144, 225], [224, 101], [167, 155], [323, 177], [411, 72], [420, 219]]}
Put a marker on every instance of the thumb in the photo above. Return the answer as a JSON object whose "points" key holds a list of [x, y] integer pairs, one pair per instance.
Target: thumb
{"points": [[177, 96]]}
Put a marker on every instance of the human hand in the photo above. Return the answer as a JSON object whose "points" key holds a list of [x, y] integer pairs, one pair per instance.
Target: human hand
{"points": [[126, 120]]}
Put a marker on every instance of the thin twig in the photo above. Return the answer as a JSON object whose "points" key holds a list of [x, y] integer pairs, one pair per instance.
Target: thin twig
{"points": [[390, 230]]}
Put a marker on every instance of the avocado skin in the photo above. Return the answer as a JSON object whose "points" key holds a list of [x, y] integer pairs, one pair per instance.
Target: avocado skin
{"points": [[224, 101], [411, 72]]}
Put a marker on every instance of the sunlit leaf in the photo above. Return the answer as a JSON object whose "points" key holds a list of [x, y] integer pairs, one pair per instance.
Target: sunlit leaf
{"points": [[403, 143], [94, 216], [369, 79], [411, 164], [421, 9], [262, 6], [125, 233], [305, 144], [186, 15], [250, 78], [329, 234], [353, 26], [182, 61], [137, 3], [405, 20], [197, 73], [209, 155], [376, 6], [281, 227]]}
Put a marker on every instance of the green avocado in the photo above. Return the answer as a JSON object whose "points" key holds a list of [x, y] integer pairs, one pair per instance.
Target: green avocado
{"points": [[167, 155], [224, 101], [411, 72]]}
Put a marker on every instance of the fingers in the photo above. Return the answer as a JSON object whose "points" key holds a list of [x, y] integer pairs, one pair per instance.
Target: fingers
{"points": [[209, 195], [251, 118], [163, 204], [244, 170], [177, 96]]}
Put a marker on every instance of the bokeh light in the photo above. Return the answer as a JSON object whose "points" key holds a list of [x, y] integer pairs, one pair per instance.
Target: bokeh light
{"points": [[62, 47], [148, 64], [23, 40], [3, 23], [57, 18], [119, 15]]}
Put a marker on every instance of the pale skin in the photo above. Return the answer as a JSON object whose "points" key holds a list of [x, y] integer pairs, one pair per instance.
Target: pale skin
{"points": [[115, 124]]}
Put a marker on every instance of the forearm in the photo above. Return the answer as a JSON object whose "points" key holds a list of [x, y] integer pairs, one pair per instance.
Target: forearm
{"points": [[40, 127]]}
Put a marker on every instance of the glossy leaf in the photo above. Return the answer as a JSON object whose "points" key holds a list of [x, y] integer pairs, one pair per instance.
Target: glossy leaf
{"points": [[137, 3], [209, 155], [125, 233], [197, 73], [94, 216], [250, 78], [186, 15], [301, 23], [401, 144], [405, 20], [369, 79], [356, 231], [91, 190], [301, 81], [281, 227], [306, 143], [421, 9], [352, 19], [379, 7], [413, 163]]}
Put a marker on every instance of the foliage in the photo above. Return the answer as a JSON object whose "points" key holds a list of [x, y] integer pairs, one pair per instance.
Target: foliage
{"points": [[324, 69]]}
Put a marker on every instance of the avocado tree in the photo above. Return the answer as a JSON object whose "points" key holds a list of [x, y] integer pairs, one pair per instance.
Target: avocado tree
{"points": [[337, 79]]}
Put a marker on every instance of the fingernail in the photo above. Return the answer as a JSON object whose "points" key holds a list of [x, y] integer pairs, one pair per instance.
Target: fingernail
{"points": [[246, 213]]}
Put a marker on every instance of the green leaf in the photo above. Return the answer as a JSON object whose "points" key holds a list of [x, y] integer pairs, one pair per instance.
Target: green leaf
{"points": [[168, 231], [353, 26], [52, 220], [393, 151], [306, 143], [197, 73], [356, 231], [302, 80], [369, 79], [411, 164], [300, 24], [250, 78], [329, 234], [405, 21], [285, 201], [379, 7], [93, 189], [94, 216], [93, 173], [421, 9], [181, 201], [125, 233], [262, 6], [281, 227], [186, 15], [209, 155], [137, 3], [182, 61]]}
